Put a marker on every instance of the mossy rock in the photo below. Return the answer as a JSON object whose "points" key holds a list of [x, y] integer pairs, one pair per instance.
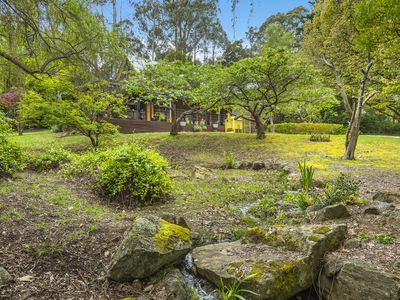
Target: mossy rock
{"points": [[282, 261], [150, 244]]}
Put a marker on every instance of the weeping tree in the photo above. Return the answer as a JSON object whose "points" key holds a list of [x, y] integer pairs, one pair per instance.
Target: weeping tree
{"points": [[253, 88]]}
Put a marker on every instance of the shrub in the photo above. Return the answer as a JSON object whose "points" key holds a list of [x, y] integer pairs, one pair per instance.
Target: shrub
{"points": [[229, 159], [52, 159], [307, 175], [129, 172], [309, 128], [304, 200], [320, 138], [11, 158], [343, 188]]}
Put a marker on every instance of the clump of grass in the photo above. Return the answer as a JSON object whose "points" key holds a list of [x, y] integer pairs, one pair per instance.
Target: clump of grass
{"points": [[229, 160], [320, 138], [233, 291], [307, 175]]}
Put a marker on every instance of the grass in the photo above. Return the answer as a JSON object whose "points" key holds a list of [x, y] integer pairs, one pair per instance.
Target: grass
{"points": [[208, 148]]}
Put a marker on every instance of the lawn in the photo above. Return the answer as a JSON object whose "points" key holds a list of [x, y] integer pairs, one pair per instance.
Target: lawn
{"points": [[208, 148]]}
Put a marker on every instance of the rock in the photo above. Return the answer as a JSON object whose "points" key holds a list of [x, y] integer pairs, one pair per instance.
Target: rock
{"points": [[171, 287], [202, 173], [243, 165], [378, 208], [352, 244], [354, 279], [331, 212], [258, 165], [171, 218], [387, 197], [150, 244], [284, 261], [313, 208], [5, 277]]}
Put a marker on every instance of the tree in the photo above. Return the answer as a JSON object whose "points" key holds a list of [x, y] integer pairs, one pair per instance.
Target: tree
{"points": [[180, 25], [291, 22], [333, 40], [378, 22], [234, 51], [254, 87], [86, 109], [167, 83]]}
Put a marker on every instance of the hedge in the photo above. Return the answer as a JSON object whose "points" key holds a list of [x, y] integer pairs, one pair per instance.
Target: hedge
{"points": [[309, 128]]}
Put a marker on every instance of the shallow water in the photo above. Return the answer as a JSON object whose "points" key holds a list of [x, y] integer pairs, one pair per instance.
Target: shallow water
{"points": [[203, 288]]}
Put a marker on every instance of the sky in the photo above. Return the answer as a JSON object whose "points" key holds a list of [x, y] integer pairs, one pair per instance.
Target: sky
{"points": [[262, 10]]}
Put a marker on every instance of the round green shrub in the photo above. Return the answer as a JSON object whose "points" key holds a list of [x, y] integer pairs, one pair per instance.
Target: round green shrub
{"points": [[52, 159], [11, 158], [134, 173]]}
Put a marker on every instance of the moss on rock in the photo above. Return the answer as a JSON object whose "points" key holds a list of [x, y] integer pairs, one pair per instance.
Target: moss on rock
{"points": [[322, 230], [169, 235], [256, 235], [313, 238]]}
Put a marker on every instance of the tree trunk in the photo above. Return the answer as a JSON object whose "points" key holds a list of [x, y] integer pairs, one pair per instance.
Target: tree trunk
{"points": [[260, 128], [175, 125], [353, 131], [114, 4]]}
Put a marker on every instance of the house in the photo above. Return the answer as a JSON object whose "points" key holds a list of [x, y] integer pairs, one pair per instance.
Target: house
{"points": [[150, 117]]}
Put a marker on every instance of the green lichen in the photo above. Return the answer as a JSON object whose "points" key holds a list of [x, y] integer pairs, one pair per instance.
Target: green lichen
{"points": [[256, 235], [169, 235], [257, 270], [287, 274], [314, 238], [322, 230], [234, 268]]}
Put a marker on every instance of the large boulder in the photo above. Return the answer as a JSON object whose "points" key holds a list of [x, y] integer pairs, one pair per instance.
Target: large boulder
{"points": [[282, 262], [149, 245], [353, 279], [5, 277]]}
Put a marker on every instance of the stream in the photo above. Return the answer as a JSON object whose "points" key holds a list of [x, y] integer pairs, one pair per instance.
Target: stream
{"points": [[204, 289]]}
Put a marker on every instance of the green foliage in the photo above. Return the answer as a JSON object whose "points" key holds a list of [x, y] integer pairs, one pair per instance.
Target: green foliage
{"points": [[342, 189], [128, 172], [304, 200], [86, 109], [307, 175], [11, 158], [229, 159], [52, 159], [11, 155], [320, 138], [375, 123], [233, 291], [309, 128], [381, 238]]}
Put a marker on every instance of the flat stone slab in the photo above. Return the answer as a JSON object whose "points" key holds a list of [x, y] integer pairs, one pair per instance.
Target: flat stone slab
{"points": [[282, 263]]}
